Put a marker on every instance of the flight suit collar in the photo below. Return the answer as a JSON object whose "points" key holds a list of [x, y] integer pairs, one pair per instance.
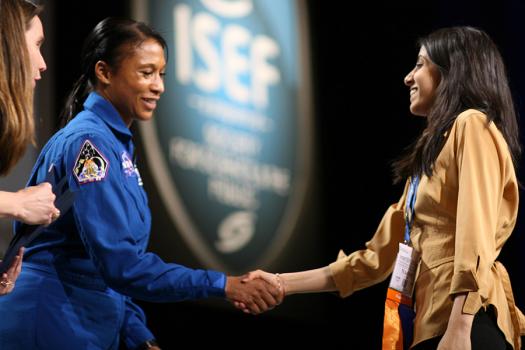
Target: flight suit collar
{"points": [[107, 112]]}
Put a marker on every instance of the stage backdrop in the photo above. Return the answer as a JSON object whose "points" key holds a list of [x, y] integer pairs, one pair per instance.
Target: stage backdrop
{"points": [[230, 145]]}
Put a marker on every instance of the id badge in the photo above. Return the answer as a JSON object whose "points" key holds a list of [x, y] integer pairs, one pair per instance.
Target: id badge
{"points": [[404, 275]]}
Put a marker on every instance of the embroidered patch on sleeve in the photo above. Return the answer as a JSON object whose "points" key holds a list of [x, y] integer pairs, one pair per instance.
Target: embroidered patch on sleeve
{"points": [[90, 165]]}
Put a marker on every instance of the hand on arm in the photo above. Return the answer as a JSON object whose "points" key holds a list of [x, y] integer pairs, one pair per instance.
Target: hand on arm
{"points": [[33, 205], [7, 282], [457, 335]]}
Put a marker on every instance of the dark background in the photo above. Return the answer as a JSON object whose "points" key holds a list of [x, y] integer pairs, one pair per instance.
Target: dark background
{"points": [[360, 55]]}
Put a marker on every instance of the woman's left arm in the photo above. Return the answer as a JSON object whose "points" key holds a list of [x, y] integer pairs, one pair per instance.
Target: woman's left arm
{"points": [[484, 186], [482, 170], [457, 335]]}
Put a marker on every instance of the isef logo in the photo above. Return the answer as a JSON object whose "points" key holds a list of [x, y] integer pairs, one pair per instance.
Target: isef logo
{"points": [[230, 143]]}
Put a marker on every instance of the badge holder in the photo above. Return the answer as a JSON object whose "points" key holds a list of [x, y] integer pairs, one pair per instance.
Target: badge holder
{"points": [[398, 325]]}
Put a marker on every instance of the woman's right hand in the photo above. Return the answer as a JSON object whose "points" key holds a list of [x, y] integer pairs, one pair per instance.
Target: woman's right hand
{"points": [[35, 205], [271, 278]]}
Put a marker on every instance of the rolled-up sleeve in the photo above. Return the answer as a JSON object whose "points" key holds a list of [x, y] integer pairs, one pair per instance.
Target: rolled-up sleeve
{"points": [[373, 264]]}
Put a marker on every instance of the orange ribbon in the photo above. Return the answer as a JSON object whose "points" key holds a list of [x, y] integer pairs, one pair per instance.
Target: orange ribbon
{"points": [[392, 328]]}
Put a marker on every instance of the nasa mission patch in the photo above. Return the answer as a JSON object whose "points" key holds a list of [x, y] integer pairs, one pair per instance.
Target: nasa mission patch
{"points": [[90, 165]]}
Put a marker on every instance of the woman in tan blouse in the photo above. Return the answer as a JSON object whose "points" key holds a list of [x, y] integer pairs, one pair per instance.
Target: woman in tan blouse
{"points": [[466, 204]]}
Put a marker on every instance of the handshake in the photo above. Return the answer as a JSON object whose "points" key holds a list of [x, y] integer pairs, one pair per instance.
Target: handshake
{"points": [[256, 292]]}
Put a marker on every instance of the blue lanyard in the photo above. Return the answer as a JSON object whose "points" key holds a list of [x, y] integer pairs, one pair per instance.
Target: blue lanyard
{"points": [[410, 206]]}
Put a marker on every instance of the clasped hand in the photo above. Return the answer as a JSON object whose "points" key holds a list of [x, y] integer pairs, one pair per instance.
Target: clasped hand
{"points": [[255, 292]]}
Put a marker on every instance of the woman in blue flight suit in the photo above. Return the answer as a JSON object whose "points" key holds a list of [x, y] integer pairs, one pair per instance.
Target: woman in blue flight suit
{"points": [[80, 274]]}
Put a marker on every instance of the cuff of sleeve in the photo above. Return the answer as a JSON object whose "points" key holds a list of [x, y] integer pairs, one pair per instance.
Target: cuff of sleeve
{"points": [[464, 281], [472, 303], [217, 283], [148, 344], [342, 279], [140, 336]]}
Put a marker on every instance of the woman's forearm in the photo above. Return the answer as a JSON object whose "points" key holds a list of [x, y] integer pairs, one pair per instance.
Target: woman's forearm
{"points": [[7, 204], [311, 281], [457, 317], [459, 327]]}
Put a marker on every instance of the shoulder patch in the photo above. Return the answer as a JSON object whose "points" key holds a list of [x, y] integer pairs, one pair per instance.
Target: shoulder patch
{"points": [[90, 165]]}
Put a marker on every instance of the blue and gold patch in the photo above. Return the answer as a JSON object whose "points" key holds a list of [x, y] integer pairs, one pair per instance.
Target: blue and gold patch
{"points": [[90, 165]]}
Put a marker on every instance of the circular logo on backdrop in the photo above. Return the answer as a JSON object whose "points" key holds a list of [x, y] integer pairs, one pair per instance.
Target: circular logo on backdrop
{"points": [[229, 146]]}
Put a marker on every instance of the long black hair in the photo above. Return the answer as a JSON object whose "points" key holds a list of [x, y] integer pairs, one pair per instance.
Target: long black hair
{"points": [[109, 41], [473, 75]]}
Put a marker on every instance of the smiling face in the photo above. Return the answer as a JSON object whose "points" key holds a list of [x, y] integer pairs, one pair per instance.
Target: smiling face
{"points": [[135, 85], [423, 81], [34, 40]]}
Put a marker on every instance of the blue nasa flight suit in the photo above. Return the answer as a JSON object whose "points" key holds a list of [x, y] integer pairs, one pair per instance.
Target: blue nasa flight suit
{"points": [[80, 274]]}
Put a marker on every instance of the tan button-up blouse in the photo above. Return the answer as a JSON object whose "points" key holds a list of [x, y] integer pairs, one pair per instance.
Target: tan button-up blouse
{"points": [[464, 214]]}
